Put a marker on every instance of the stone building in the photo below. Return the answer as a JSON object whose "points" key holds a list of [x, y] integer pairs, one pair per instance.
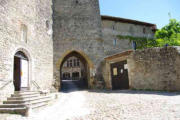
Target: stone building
{"points": [[80, 30], [112, 27], [39, 36], [26, 46], [72, 69]]}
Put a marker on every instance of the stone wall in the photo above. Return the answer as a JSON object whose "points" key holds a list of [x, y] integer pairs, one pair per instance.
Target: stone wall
{"points": [[155, 69], [32, 18], [112, 28], [77, 27]]}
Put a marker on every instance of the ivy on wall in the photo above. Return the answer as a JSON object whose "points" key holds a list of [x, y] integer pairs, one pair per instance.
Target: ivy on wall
{"points": [[141, 42]]}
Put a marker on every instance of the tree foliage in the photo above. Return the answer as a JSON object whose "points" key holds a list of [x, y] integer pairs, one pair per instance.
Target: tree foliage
{"points": [[169, 34]]}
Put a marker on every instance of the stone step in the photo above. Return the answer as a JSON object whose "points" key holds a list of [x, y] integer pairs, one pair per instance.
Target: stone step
{"points": [[20, 102], [38, 105], [25, 94], [21, 111], [40, 101], [32, 100], [23, 98], [23, 91], [23, 105], [12, 105]]}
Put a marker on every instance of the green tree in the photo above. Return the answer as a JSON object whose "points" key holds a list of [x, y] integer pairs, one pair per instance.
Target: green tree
{"points": [[169, 34]]}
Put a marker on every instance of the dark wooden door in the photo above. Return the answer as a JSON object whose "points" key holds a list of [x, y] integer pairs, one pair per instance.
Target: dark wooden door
{"points": [[17, 73], [20, 75], [119, 75]]}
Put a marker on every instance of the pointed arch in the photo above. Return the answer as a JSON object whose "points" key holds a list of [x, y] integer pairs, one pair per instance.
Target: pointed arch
{"points": [[89, 66], [60, 61]]}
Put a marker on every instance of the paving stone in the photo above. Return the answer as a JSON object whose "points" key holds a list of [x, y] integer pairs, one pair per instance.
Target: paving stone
{"points": [[108, 105]]}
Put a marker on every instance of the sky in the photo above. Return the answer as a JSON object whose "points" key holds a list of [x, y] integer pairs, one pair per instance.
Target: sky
{"points": [[152, 11]]}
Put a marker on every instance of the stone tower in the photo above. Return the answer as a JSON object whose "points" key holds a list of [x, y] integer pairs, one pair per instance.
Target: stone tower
{"points": [[77, 28]]}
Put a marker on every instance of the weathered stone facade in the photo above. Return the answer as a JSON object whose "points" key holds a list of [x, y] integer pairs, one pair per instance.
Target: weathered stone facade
{"points": [[113, 26], [77, 27], [48, 31], [33, 19], [155, 69]]}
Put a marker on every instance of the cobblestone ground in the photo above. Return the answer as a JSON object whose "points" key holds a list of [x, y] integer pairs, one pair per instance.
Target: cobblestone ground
{"points": [[109, 105]]}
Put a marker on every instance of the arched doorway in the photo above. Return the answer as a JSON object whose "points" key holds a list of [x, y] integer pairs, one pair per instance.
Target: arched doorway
{"points": [[21, 71], [74, 72]]}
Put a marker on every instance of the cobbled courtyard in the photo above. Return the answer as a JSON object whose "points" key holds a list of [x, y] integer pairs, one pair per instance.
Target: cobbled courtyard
{"points": [[108, 105]]}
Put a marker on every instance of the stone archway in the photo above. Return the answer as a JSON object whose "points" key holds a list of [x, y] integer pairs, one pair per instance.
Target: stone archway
{"points": [[84, 59]]}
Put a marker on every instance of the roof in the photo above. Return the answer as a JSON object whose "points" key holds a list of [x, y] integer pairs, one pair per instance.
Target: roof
{"points": [[124, 20], [125, 53]]}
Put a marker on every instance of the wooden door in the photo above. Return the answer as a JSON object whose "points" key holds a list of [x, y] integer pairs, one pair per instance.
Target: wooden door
{"points": [[17, 75], [119, 75], [21, 73]]}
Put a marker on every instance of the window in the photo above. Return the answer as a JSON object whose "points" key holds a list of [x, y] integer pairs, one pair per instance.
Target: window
{"points": [[24, 33], [75, 74], [47, 24], [115, 42], [70, 63], [66, 76], [75, 62], [134, 45], [144, 30], [78, 62]]}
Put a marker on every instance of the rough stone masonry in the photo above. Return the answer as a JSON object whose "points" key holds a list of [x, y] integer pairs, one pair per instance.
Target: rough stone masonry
{"points": [[155, 69], [46, 31], [32, 20]]}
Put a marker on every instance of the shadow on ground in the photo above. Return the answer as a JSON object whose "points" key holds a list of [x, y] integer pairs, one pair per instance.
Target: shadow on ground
{"points": [[164, 93], [73, 86]]}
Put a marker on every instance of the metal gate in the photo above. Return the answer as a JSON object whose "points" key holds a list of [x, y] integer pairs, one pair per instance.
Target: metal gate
{"points": [[119, 75]]}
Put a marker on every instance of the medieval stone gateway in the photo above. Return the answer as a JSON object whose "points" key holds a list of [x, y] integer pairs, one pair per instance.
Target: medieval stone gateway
{"points": [[41, 40], [87, 66]]}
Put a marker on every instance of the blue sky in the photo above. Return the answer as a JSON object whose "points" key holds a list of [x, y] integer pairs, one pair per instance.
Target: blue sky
{"points": [[152, 11]]}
